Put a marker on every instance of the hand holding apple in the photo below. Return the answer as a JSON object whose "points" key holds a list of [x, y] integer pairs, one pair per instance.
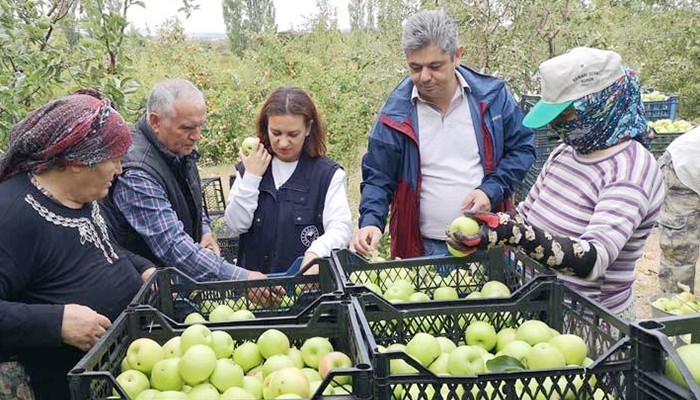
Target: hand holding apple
{"points": [[249, 144]]}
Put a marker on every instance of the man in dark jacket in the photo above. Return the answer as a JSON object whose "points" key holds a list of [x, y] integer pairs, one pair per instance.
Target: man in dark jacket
{"points": [[447, 139], [155, 207]]}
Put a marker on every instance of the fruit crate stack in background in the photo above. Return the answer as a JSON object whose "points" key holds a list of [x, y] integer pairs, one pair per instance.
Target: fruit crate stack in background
{"points": [[667, 358], [661, 110], [94, 377], [455, 277], [607, 376], [175, 295]]}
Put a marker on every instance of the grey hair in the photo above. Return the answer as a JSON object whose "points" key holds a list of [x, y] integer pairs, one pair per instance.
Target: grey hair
{"points": [[164, 93], [430, 27]]}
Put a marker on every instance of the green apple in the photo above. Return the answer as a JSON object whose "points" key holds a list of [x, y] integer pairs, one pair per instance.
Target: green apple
{"points": [[572, 347], [312, 374], [424, 348], [505, 336], [466, 360], [237, 393], [148, 394], [398, 366], [166, 375], [253, 385], [545, 356], [474, 295], [533, 332], [133, 382], [313, 349], [276, 363], [195, 334], [418, 297], [446, 344], [272, 342], [197, 364], [295, 355], [242, 315], [143, 354], [517, 349], [466, 225], [226, 374], [286, 381], [480, 333], [456, 253], [445, 293], [495, 289], [194, 318], [203, 391], [257, 373], [331, 361], [441, 365], [314, 385], [221, 313], [172, 348], [249, 144], [247, 356], [373, 287], [172, 395], [222, 344], [124, 366], [690, 356]]}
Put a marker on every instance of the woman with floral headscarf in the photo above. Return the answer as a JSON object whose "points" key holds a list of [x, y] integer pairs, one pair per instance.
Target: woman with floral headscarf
{"points": [[599, 194], [62, 279]]}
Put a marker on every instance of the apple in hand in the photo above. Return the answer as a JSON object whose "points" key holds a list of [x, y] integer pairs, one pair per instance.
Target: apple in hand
{"points": [[195, 334], [247, 356], [334, 360], [143, 354], [272, 342], [480, 333], [133, 382], [424, 348], [313, 349], [572, 347], [197, 364], [249, 144], [166, 375], [466, 225], [222, 344], [226, 374]]}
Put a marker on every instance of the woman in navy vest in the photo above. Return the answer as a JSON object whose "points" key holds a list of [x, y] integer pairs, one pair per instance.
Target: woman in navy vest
{"points": [[288, 199]]}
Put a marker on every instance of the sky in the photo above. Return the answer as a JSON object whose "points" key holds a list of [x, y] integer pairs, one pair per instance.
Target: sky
{"points": [[208, 18]]}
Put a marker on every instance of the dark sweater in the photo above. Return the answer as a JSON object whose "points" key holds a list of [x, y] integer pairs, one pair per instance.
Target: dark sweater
{"points": [[52, 255]]}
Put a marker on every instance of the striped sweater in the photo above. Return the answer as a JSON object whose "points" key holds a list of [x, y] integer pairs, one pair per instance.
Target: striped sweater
{"points": [[610, 202]]}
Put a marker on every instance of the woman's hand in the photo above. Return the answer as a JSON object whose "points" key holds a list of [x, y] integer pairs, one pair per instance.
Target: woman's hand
{"points": [[257, 162]]}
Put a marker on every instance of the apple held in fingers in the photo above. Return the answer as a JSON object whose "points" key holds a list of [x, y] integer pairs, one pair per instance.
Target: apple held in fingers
{"points": [[249, 144]]}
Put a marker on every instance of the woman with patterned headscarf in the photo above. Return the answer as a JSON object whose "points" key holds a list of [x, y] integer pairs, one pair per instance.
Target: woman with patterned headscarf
{"points": [[62, 280], [599, 194]]}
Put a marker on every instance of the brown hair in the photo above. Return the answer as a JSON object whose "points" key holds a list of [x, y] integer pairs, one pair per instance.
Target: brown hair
{"points": [[290, 100]]}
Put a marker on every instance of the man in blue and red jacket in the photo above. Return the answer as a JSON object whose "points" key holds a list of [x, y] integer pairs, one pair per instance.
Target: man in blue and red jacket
{"points": [[447, 139]]}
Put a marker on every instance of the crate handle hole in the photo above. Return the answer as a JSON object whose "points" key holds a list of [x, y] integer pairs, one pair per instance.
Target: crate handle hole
{"points": [[363, 367], [651, 325], [77, 371]]}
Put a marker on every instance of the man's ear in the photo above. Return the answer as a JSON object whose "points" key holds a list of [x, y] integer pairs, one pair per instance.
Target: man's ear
{"points": [[458, 54], [153, 121]]}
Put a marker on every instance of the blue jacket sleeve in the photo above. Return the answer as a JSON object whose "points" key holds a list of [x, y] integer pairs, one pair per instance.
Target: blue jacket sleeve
{"points": [[380, 170], [518, 150]]}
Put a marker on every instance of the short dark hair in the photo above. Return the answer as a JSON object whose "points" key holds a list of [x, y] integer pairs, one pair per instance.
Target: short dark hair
{"points": [[290, 100]]}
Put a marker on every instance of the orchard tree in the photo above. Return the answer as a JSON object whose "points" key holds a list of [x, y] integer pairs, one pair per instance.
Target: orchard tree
{"points": [[244, 19]]}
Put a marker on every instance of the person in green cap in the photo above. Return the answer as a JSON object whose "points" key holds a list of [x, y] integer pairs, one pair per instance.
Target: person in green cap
{"points": [[599, 194]]}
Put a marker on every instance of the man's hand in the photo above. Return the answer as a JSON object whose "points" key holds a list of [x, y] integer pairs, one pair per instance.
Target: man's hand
{"points": [[308, 257], [264, 296], [366, 239], [209, 243], [476, 200], [82, 327], [256, 163]]}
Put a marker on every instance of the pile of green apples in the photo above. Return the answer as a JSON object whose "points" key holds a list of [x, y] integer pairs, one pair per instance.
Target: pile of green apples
{"points": [[531, 346], [689, 354], [667, 126], [678, 304], [654, 96], [205, 365]]}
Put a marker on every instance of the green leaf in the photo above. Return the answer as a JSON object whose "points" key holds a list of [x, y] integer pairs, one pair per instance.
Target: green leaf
{"points": [[504, 364]]}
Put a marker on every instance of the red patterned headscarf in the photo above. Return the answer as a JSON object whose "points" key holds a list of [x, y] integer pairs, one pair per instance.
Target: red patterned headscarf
{"points": [[82, 129]]}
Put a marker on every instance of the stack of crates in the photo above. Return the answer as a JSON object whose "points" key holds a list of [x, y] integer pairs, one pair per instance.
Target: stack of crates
{"points": [[656, 344], [213, 200]]}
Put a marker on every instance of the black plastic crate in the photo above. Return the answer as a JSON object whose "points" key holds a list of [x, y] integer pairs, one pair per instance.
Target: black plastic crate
{"points": [[661, 141], [176, 295], [229, 248], [560, 307], [655, 341], [527, 101], [661, 109], [213, 197], [524, 187], [465, 274], [546, 140], [94, 377]]}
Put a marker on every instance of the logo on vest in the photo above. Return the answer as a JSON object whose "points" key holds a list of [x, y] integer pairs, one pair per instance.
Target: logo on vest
{"points": [[308, 235]]}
